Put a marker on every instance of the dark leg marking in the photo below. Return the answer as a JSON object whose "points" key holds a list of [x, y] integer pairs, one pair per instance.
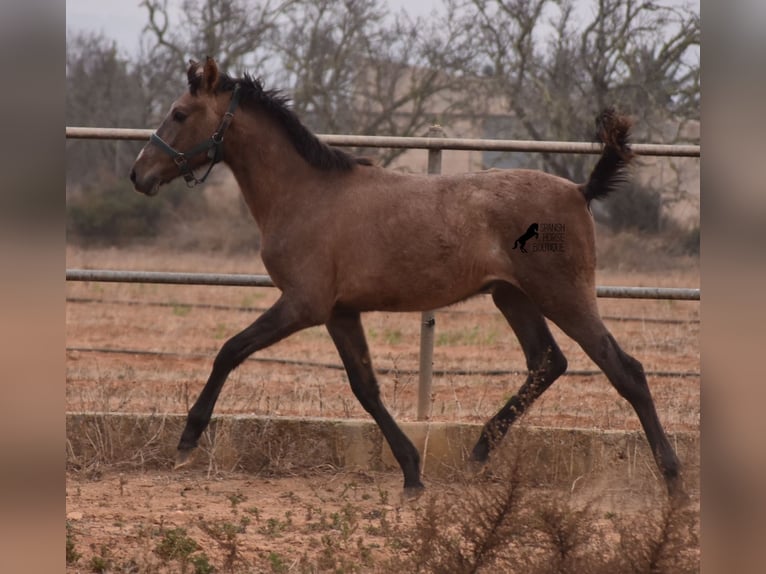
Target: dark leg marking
{"points": [[545, 362]]}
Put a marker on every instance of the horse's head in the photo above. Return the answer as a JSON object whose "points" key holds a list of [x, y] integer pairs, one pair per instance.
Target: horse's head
{"points": [[191, 134]]}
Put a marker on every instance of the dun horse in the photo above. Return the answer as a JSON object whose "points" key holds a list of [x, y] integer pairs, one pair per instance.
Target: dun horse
{"points": [[341, 236]]}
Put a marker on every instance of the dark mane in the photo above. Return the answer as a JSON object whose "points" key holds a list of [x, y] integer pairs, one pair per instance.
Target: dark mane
{"points": [[276, 105]]}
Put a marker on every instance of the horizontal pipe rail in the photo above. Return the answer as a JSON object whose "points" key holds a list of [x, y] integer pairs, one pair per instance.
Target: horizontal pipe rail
{"points": [[676, 293], [383, 370], [251, 280], [169, 278], [258, 309], [424, 143]]}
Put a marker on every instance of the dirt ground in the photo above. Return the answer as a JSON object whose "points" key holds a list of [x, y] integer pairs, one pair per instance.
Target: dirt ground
{"points": [[149, 348], [241, 523], [327, 520]]}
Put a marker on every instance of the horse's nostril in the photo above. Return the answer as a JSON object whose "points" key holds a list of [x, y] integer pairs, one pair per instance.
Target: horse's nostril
{"points": [[133, 175]]}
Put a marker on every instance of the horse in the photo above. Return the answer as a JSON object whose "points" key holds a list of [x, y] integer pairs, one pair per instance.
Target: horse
{"points": [[341, 236]]}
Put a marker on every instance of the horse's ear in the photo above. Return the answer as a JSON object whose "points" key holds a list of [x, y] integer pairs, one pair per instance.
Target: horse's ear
{"points": [[210, 74], [194, 75]]}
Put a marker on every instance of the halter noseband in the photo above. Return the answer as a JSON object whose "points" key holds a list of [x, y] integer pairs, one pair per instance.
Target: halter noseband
{"points": [[212, 147]]}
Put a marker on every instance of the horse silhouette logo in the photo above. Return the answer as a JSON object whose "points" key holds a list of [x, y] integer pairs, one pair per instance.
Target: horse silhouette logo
{"points": [[528, 234]]}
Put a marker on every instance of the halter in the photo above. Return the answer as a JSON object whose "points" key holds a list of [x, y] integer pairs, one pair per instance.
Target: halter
{"points": [[212, 147]]}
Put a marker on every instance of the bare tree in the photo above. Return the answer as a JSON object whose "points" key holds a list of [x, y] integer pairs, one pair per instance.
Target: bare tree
{"points": [[238, 33], [555, 74], [101, 90], [354, 68], [350, 65]]}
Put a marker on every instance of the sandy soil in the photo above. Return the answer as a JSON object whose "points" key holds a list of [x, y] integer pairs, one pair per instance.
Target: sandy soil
{"points": [[321, 521], [241, 523]]}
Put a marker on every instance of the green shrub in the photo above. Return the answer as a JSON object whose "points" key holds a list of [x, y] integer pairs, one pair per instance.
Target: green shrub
{"points": [[634, 208], [690, 241], [72, 555], [176, 545], [113, 213]]}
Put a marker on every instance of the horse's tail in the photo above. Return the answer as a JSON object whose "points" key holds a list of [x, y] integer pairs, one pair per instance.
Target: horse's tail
{"points": [[611, 171]]}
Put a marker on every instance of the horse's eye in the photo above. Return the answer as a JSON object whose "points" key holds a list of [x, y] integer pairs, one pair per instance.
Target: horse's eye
{"points": [[179, 116]]}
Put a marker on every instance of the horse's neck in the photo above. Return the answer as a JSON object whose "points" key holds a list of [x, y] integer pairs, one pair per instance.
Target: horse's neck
{"points": [[267, 167]]}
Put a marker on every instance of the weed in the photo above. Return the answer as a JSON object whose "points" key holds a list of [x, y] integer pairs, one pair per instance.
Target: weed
{"points": [[392, 336], [101, 562], [176, 545], [663, 541], [347, 520], [226, 535], [201, 564], [330, 556], [250, 299], [277, 563], [236, 499], [274, 527], [221, 331], [72, 555], [291, 496], [473, 336], [564, 533], [181, 310], [507, 526]]}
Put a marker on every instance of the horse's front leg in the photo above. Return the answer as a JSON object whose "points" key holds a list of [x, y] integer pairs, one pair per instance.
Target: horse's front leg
{"points": [[281, 320], [347, 334]]}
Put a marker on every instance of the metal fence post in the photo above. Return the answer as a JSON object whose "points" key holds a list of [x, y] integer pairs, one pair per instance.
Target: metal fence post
{"points": [[428, 321]]}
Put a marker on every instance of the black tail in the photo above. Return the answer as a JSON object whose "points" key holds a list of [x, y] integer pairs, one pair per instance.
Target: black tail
{"points": [[611, 171]]}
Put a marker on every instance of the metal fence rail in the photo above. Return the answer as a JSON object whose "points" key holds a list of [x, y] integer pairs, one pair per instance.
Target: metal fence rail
{"points": [[435, 143], [252, 280], [383, 370]]}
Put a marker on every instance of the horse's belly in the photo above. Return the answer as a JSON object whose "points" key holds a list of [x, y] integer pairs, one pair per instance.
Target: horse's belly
{"points": [[396, 290]]}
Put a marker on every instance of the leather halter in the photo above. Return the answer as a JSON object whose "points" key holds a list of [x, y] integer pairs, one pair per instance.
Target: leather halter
{"points": [[212, 147]]}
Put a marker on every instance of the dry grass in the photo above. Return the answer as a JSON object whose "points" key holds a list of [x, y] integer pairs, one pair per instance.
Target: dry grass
{"points": [[503, 524]]}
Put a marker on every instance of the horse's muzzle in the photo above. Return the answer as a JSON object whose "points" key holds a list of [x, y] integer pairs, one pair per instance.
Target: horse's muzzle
{"points": [[148, 186]]}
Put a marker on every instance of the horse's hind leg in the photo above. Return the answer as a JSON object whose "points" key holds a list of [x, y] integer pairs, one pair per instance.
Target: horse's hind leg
{"points": [[346, 331], [545, 362], [626, 374]]}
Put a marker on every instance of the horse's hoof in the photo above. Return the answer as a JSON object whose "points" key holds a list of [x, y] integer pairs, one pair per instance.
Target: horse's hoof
{"points": [[183, 457], [480, 452], [476, 467], [677, 492], [411, 493]]}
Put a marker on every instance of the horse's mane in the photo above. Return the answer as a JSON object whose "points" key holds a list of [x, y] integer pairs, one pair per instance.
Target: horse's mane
{"points": [[276, 105]]}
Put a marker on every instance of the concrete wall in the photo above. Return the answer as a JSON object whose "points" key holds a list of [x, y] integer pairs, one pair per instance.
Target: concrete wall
{"points": [[557, 457]]}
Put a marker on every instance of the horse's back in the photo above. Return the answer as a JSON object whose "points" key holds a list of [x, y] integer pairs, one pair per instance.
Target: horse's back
{"points": [[407, 241]]}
